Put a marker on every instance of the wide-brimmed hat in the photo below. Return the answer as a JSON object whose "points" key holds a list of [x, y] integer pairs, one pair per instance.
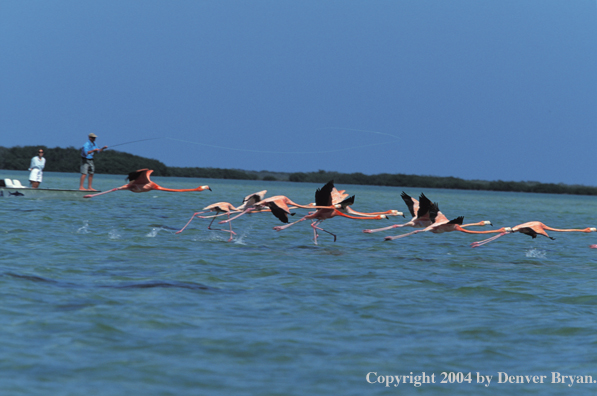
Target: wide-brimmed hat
{"points": [[92, 135]]}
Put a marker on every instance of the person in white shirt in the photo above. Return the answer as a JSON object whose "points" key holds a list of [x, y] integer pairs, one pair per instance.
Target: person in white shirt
{"points": [[36, 168]]}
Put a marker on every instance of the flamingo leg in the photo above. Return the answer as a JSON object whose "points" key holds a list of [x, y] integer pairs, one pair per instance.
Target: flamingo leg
{"points": [[231, 232], [369, 231], [315, 228], [221, 229], [238, 215], [315, 235], [102, 193], [493, 238], [189, 222], [391, 238], [280, 228]]}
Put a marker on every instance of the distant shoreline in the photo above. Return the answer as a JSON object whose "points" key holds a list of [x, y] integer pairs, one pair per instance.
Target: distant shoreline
{"points": [[121, 163]]}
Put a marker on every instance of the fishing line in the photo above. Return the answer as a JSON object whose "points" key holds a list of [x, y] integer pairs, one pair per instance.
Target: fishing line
{"points": [[278, 152], [297, 152], [134, 141], [359, 130]]}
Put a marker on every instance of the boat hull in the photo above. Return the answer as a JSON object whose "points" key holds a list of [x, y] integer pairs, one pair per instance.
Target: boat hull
{"points": [[9, 192]]}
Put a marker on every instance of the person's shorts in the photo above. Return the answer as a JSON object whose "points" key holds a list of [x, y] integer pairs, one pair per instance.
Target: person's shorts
{"points": [[87, 166], [35, 175]]}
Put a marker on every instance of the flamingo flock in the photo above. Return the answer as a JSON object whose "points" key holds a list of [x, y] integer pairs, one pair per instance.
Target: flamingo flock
{"points": [[330, 203]]}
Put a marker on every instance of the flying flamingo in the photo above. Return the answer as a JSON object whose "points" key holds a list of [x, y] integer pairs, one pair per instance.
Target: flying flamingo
{"points": [[217, 207], [140, 182], [324, 199], [532, 228], [279, 205], [419, 211], [226, 208], [441, 224]]}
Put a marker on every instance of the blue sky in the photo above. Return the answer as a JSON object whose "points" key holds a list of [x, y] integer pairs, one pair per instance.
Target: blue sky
{"points": [[491, 90]]}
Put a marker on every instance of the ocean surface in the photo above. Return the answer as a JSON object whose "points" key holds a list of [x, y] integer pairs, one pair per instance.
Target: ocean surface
{"points": [[100, 296]]}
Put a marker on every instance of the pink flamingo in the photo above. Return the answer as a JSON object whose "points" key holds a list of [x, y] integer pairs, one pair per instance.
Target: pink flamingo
{"points": [[440, 224], [222, 208], [531, 228], [140, 182], [324, 199], [419, 211], [593, 246], [217, 207]]}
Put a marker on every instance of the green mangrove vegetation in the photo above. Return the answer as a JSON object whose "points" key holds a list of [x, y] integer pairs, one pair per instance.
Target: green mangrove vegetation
{"points": [[121, 163]]}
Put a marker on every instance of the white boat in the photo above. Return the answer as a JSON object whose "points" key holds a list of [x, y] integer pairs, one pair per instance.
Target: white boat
{"points": [[14, 188]]}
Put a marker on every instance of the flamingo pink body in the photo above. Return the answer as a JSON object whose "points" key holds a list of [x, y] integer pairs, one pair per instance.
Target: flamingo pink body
{"points": [[531, 228], [218, 207], [441, 227], [140, 182], [440, 223], [324, 198], [419, 211]]}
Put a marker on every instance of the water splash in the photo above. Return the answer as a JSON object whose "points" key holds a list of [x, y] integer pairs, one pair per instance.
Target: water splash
{"points": [[84, 229], [154, 232], [536, 253], [114, 234], [240, 238]]}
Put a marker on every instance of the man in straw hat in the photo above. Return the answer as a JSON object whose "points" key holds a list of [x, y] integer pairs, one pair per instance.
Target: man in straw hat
{"points": [[87, 166]]}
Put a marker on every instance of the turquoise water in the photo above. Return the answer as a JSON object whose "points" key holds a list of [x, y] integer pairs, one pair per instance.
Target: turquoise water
{"points": [[101, 296]]}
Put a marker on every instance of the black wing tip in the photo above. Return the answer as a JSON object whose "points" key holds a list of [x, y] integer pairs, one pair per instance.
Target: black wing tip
{"points": [[323, 195], [459, 220]]}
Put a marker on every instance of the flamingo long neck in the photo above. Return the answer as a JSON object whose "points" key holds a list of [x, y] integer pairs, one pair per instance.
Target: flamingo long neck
{"points": [[571, 229], [290, 203], [387, 212], [481, 223], [503, 229], [376, 217], [156, 187]]}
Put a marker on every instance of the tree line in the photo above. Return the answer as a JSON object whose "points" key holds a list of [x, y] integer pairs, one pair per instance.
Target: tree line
{"points": [[121, 163]]}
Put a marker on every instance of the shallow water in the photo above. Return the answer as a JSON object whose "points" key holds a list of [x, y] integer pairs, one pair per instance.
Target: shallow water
{"points": [[100, 296]]}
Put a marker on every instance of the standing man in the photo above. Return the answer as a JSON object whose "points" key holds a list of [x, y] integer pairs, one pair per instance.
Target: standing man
{"points": [[87, 166], [36, 168]]}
